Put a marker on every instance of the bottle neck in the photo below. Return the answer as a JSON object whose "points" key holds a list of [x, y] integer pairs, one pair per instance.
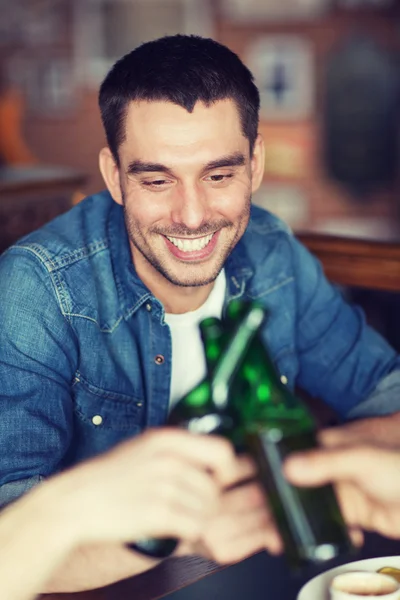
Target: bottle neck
{"points": [[234, 354]]}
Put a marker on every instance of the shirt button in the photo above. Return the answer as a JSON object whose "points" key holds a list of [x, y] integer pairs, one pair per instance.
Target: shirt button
{"points": [[159, 359], [148, 307], [284, 379], [97, 420]]}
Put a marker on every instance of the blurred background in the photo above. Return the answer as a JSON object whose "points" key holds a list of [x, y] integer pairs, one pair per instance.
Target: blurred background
{"points": [[329, 77]]}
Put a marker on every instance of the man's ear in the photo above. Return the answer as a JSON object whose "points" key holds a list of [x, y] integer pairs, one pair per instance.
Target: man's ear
{"points": [[110, 172], [257, 163]]}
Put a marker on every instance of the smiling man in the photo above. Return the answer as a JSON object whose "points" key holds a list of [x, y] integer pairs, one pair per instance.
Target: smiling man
{"points": [[100, 308]]}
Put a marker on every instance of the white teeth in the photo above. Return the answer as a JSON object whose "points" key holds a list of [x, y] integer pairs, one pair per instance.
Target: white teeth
{"points": [[191, 245]]}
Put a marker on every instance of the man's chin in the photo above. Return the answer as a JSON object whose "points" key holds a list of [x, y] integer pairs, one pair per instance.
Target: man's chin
{"points": [[190, 283], [191, 279]]}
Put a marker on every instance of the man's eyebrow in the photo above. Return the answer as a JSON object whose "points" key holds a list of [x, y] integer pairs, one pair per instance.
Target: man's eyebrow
{"points": [[137, 166], [237, 159]]}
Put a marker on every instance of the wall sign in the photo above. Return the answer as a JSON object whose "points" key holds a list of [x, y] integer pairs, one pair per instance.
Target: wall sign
{"points": [[283, 67]]}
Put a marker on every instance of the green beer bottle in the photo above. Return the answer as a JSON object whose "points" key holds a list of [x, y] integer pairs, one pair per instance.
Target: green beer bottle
{"points": [[276, 423], [205, 409]]}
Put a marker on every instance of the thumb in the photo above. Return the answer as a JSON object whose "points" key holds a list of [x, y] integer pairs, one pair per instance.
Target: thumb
{"points": [[374, 470], [321, 466]]}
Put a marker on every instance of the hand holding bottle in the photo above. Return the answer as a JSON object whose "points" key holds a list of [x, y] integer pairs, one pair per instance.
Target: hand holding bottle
{"points": [[367, 482], [243, 524], [163, 482]]}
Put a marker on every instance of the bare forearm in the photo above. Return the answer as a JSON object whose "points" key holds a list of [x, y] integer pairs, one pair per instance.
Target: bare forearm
{"points": [[41, 546], [32, 544], [95, 566]]}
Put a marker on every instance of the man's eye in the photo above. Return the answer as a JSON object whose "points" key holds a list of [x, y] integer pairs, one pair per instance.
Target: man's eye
{"points": [[155, 183], [220, 177]]}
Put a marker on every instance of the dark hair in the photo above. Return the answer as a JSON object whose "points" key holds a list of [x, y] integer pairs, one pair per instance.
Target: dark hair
{"points": [[182, 69]]}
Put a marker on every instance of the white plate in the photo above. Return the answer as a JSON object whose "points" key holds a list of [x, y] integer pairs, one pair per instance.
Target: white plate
{"points": [[318, 587]]}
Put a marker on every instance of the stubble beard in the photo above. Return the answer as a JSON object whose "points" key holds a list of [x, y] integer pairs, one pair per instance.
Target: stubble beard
{"points": [[139, 241]]}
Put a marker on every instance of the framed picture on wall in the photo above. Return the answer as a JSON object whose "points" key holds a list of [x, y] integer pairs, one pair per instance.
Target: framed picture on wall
{"points": [[105, 30], [283, 66]]}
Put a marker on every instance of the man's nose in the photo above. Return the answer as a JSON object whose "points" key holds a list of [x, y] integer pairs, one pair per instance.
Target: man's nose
{"points": [[190, 207]]}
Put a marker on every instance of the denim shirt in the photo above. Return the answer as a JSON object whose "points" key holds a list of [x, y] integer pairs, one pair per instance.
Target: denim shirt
{"points": [[85, 353]]}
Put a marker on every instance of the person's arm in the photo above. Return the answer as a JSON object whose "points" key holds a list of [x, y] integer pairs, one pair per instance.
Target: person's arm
{"points": [[34, 540], [163, 483], [342, 360], [367, 480], [95, 566]]}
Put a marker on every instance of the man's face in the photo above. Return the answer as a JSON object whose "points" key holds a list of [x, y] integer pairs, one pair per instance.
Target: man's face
{"points": [[186, 185]]}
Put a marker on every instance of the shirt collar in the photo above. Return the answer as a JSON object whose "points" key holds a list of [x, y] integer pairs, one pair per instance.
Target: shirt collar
{"points": [[132, 293]]}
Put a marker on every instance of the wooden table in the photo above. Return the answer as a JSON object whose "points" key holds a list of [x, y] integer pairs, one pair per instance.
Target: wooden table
{"points": [[365, 256], [30, 197]]}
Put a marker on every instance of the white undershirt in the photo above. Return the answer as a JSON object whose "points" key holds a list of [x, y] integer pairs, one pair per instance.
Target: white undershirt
{"points": [[188, 362]]}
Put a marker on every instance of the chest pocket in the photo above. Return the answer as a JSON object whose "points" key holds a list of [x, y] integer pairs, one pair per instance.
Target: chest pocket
{"points": [[106, 410]]}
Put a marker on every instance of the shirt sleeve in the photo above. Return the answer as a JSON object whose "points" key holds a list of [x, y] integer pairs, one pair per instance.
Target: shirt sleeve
{"points": [[342, 360], [384, 400], [38, 354], [14, 489]]}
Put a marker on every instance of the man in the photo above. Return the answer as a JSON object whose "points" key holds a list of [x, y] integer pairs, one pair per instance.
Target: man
{"points": [[99, 309]]}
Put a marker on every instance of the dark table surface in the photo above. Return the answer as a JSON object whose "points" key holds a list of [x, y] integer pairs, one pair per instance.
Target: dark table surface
{"points": [[260, 577]]}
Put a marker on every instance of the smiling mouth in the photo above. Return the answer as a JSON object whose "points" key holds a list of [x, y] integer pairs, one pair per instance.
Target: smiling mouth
{"points": [[191, 245]]}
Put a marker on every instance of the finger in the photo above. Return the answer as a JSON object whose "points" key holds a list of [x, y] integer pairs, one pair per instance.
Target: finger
{"points": [[258, 540], [175, 481], [257, 524], [243, 511], [354, 505], [244, 498], [380, 430], [245, 471], [228, 527], [373, 469], [200, 484], [210, 452], [324, 465], [338, 436], [357, 537], [245, 545], [179, 520]]}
